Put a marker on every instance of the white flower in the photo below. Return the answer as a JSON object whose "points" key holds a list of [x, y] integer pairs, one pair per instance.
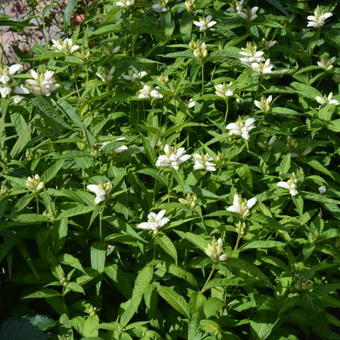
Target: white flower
{"points": [[34, 183], [251, 55], [264, 104], [148, 92], [325, 63], [192, 103], [327, 100], [100, 190], [125, 3], [5, 91], [289, 185], [120, 149], [199, 49], [215, 250], [241, 127], [106, 76], [135, 74], [205, 23], [17, 99], [318, 19], [224, 90], [160, 7], [173, 157], [236, 6], [262, 68], [155, 221], [42, 83], [6, 73], [322, 189], [248, 13], [242, 206], [21, 90], [203, 162], [65, 46]]}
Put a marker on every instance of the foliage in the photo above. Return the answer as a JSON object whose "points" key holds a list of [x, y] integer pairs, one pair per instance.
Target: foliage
{"points": [[112, 231]]}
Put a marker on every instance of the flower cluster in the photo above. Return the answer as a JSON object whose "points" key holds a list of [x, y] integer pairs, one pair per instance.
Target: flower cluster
{"points": [[215, 250], [65, 46], [205, 23], [100, 190], [42, 83], [155, 221], [34, 183], [241, 127]]}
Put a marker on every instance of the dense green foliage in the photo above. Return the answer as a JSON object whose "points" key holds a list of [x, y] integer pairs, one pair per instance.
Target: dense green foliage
{"points": [[233, 255]]}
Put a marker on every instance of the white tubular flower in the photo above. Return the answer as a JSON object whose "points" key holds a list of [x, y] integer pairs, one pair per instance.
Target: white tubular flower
{"points": [[224, 90], [65, 46], [264, 104], [251, 55], [325, 63], [215, 250], [42, 83], [160, 7], [236, 6], [17, 99], [262, 68], [100, 191], [21, 90], [241, 127], [192, 103], [148, 92], [318, 19], [327, 100], [34, 183], [155, 221], [249, 14], [125, 3], [201, 51], [173, 157], [242, 206], [106, 76], [5, 91], [134, 74], [6, 73], [203, 162], [205, 23], [322, 189], [289, 185]]}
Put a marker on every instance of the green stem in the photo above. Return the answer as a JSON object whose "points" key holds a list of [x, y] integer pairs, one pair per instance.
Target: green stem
{"points": [[237, 241], [202, 69], [37, 204], [226, 111], [101, 223], [208, 279]]}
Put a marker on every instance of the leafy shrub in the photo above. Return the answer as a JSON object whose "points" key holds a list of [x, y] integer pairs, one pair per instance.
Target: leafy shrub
{"points": [[170, 172]]}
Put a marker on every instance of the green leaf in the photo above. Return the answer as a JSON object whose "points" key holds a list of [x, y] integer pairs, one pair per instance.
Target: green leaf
{"points": [[142, 282], [112, 28], [198, 240], [153, 173], [248, 268], [69, 9], [306, 90], [98, 256], [42, 293], [80, 210], [319, 167], [212, 328], [262, 244], [52, 171], [166, 244], [175, 300]]}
